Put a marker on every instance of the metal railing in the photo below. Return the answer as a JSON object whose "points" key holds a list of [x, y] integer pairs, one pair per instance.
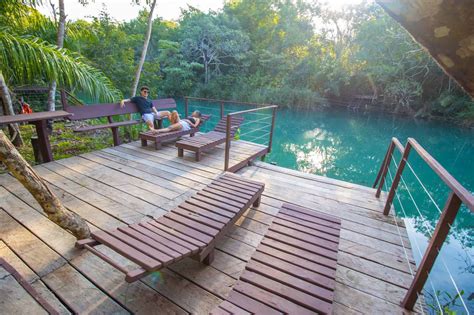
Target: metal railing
{"points": [[457, 196], [259, 127], [221, 103], [228, 130]]}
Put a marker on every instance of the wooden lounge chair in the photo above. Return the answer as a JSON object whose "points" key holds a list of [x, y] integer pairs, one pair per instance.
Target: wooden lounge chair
{"points": [[208, 140], [192, 229], [293, 269], [13, 297], [158, 138]]}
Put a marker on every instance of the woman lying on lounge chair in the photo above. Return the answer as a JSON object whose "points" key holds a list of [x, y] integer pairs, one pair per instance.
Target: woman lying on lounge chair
{"points": [[182, 124]]}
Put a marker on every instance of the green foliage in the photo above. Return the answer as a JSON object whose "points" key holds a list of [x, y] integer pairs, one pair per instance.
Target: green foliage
{"points": [[447, 302], [213, 40], [293, 53], [66, 143], [25, 60]]}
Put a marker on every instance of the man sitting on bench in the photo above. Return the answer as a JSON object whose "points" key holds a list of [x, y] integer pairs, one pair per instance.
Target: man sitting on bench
{"points": [[145, 106]]}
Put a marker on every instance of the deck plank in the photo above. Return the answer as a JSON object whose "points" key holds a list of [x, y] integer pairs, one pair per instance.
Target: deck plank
{"points": [[104, 187], [14, 297], [125, 198], [32, 278]]}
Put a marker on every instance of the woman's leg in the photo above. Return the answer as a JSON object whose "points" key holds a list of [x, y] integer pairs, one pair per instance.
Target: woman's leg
{"points": [[173, 127], [163, 114]]}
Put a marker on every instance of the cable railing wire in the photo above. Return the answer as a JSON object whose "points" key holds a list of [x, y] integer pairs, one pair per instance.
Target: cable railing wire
{"points": [[264, 135], [429, 229], [255, 130], [256, 121], [426, 190], [417, 246]]}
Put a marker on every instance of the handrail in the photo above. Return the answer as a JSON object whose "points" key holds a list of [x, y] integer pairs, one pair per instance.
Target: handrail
{"points": [[224, 101], [251, 110], [228, 129], [457, 197], [394, 143], [466, 197]]}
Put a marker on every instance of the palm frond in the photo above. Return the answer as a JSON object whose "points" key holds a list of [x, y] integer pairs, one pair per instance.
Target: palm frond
{"points": [[28, 59], [18, 8]]}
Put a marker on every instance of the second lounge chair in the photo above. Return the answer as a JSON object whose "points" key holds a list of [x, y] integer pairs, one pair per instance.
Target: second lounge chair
{"points": [[208, 140], [190, 230]]}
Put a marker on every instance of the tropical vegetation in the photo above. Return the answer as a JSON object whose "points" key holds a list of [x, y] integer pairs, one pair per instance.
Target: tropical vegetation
{"points": [[293, 53]]}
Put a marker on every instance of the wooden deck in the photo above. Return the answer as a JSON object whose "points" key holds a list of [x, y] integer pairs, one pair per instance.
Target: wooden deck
{"points": [[128, 183]]}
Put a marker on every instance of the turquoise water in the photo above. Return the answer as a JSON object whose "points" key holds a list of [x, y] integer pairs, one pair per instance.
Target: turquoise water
{"points": [[350, 146]]}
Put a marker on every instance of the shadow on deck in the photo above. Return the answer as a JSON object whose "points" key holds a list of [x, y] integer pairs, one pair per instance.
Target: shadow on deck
{"points": [[128, 183]]}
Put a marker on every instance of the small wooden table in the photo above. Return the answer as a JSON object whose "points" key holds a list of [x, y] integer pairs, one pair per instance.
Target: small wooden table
{"points": [[38, 119]]}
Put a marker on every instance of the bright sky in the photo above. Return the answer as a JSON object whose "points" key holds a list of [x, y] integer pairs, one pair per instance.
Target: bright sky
{"points": [[123, 10]]}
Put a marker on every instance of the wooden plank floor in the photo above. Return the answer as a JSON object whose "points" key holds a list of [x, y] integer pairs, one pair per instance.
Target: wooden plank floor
{"points": [[128, 184]]}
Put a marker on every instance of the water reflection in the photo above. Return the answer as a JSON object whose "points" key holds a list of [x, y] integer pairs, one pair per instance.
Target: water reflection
{"points": [[350, 146], [318, 152]]}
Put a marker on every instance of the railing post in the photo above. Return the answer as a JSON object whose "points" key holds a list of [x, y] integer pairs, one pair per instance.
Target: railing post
{"points": [[439, 236], [396, 179], [186, 110], [270, 141], [227, 143], [384, 169], [64, 99], [222, 110]]}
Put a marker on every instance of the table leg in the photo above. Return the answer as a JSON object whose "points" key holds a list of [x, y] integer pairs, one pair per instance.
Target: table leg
{"points": [[43, 139]]}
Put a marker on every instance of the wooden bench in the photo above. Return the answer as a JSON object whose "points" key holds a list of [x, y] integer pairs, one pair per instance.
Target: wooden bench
{"points": [[190, 230], [158, 138], [109, 110], [293, 270], [210, 139]]}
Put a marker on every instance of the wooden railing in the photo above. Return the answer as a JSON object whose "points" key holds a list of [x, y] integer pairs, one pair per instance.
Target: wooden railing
{"points": [[458, 196], [228, 131]]}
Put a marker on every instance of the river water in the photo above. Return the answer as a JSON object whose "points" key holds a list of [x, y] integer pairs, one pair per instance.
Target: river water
{"points": [[350, 145]]}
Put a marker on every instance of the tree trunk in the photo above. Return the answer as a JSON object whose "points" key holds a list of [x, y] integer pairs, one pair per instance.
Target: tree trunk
{"points": [[8, 110], [206, 69], [60, 43], [25, 174], [144, 50]]}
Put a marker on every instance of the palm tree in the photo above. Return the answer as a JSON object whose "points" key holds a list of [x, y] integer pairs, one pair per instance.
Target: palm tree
{"points": [[60, 43], [145, 47], [25, 60]]}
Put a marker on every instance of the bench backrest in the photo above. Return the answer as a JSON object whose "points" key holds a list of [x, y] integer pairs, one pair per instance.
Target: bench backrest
{"points": [[104, 110], [235, 123]]}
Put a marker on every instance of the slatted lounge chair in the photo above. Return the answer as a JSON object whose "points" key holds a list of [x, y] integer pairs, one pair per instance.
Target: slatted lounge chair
{"points": [[190, 230], [12, 291], [293, 269], [158, 138], [208, 140]]}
